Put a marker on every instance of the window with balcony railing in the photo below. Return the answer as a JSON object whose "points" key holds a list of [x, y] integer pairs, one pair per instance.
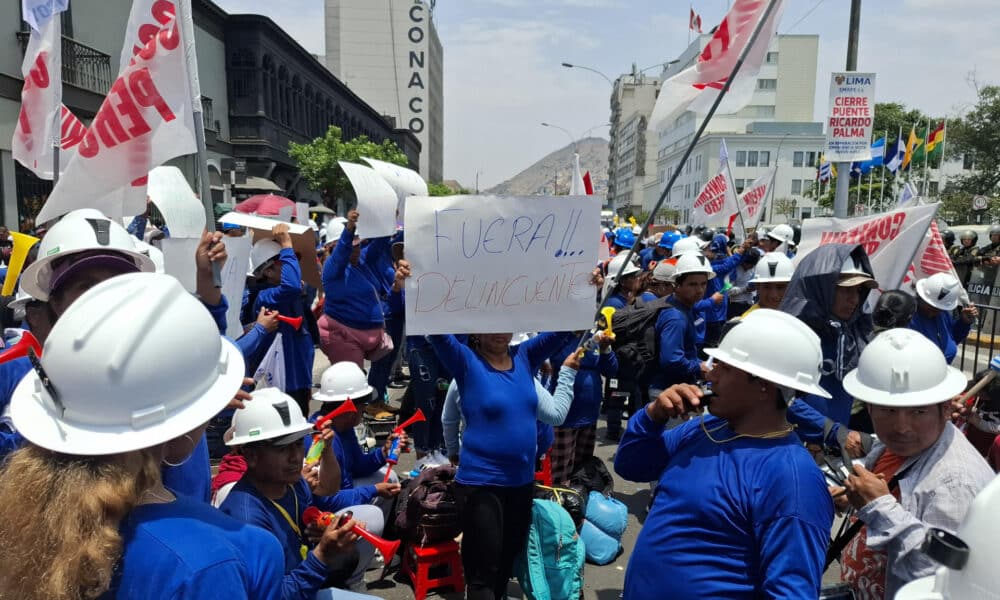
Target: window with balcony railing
{"points": [[82, 66]]}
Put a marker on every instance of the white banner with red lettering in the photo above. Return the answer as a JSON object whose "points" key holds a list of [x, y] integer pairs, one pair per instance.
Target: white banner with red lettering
{"points": [[41, 98], [931, 258], [891, 239], [716, 202], [751, 201], [145, 121]]}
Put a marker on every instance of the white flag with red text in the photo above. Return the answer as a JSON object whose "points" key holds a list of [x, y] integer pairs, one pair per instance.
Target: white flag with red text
{"points": [[697, 87], [716, 204], [892, 239], [38, 123], [751, 201], [145, 120]]}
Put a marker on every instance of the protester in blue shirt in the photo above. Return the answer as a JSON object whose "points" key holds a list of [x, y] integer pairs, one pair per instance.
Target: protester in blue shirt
{"points": [[740, 510], [496, 469], [353, 323], [723, 264], [273, 495], [74, 257], [675, 327], [278, 281], [574, 439], [937, 298], [104, 525]]}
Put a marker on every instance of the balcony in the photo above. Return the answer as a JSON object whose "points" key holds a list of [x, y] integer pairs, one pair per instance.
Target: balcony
{"points": [[82, 66]]}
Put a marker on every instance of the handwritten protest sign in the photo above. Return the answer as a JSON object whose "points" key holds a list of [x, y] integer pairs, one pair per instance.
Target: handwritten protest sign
{"points": [[851, 117], [494, 264], [376, 201], [303, 241]]}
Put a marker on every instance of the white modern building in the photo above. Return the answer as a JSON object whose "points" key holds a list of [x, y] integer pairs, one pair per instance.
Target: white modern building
{"points": [[388, 53], [776, 127], [632, 150]]}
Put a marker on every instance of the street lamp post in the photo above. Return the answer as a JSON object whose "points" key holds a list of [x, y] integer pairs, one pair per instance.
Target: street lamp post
{"points": [[606, 78], [572, 140]]}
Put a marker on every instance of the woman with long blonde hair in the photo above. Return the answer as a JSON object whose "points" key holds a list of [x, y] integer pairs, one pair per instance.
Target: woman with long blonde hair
{"points": [[129, 377]]}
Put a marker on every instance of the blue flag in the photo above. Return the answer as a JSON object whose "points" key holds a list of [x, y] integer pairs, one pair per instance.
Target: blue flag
{"points": [[894, 158], [878, 152]]}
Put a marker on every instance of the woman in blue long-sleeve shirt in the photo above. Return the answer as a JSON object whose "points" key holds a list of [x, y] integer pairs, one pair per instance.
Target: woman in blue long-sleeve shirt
{"points": [[353, 323], [495, 478]]}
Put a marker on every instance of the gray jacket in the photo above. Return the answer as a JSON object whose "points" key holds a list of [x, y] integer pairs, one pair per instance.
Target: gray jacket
{"points": [[936, 492]]}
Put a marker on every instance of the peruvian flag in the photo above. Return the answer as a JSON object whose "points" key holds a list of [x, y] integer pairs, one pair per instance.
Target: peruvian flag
{"points": [[697, 87], [38, 122], [694, 22]]}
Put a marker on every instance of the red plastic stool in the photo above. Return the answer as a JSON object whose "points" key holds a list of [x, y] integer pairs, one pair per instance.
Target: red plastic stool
{"points": [[418, 562], [544, 476]]}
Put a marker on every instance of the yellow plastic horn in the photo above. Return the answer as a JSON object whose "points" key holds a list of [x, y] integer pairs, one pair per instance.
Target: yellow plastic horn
{"points": [[608, 312], [22, 243]]}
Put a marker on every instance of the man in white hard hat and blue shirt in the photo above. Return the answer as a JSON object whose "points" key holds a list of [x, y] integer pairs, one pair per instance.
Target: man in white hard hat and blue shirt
{"points": [[740, 511], [906, 383]]}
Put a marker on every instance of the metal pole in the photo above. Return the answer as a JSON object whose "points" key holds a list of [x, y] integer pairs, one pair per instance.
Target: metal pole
{"points": [[774, 180], [843, 184], [201, 167], [927, 160], [944, 140], [881, 181]]}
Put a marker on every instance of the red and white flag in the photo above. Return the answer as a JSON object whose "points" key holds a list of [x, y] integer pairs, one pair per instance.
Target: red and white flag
{"points": [[716, 204], [751, 201], [146, 119], [931, 258], [577, 187], [588, 185], [694, 22], [697, 87], [37, 129]]}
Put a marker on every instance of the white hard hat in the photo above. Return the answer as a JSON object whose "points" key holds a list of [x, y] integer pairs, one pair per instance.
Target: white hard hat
{"points": [[611, 280], [263, 251], [688, 245], [83, 230], [940, 290], [271, 415], [341, 381], [773, 267], [134, 362], [693, 263], [774, 346], [637, 230], [19, 303], [852, 273], [334, 228], [968, 558], [782, 233], [664, 271], [901, 367], [154, 254]]}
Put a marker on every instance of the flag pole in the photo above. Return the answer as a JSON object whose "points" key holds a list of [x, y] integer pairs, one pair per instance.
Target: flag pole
{"points": [[690, 12], [201, 166], [944, 140], [57, 117], [765, 15], [881, 181], [927, 159]]}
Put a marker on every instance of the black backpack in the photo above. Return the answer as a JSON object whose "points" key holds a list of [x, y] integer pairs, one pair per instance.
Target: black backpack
{"points": [[635, 336], [430, 513]]}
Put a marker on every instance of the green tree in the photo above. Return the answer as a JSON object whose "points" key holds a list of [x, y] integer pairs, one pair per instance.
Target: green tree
{"points": [[317, 160], [978, 135], [784, 206], [439, 189]]}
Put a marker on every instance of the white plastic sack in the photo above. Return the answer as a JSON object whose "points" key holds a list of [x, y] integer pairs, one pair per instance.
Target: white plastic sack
{"points": [[271, 372]]}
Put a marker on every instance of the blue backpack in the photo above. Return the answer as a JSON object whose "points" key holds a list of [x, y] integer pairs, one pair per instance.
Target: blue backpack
{"points": [[551, 565]]}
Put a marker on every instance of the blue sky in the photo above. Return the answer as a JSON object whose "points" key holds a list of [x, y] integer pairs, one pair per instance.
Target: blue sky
{"points": [[503, 75]]}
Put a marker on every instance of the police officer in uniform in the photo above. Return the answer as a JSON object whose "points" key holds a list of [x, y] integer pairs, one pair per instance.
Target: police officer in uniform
{"points": [[965, 256]]}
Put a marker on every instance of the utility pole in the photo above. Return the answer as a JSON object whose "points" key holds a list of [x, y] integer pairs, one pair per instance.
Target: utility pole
{"points": [[844, 168]]}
